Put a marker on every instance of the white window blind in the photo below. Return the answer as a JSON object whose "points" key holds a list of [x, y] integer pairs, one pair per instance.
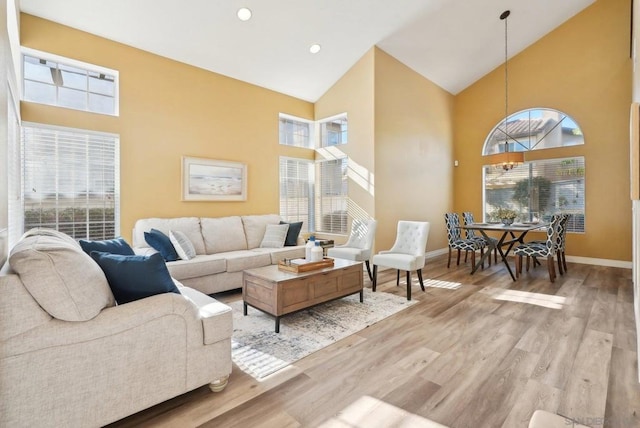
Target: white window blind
{"points": [[71, 181], [296, 191], [332, 195], [538, 189]]}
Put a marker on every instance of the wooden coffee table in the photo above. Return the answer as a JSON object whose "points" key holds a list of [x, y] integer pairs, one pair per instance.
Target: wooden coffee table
{"points": [[278, 293]]}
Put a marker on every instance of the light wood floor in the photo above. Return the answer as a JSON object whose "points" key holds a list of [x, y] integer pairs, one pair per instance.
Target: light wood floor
{"points": [[463, 357]]}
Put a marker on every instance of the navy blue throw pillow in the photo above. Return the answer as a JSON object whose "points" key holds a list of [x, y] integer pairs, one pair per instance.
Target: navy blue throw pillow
{"points": [[113, 246], [292, 234], [135, 277], [162, 243]]}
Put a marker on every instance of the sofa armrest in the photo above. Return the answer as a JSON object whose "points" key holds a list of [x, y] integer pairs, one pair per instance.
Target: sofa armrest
{"points": [[110, 321], [217, 319]]}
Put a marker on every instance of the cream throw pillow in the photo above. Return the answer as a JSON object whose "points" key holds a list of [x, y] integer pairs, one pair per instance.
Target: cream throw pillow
{"points": [[274, 236], [182, 244]]}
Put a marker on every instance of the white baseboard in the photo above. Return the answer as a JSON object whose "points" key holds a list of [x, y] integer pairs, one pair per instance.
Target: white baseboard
{"points": [[573, 259]]}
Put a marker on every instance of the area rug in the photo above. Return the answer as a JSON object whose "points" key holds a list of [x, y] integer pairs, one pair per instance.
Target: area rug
{"points": [[259, 351]]}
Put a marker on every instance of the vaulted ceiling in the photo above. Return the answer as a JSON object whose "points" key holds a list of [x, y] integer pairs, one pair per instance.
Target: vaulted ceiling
{"points": [[450, 42]]}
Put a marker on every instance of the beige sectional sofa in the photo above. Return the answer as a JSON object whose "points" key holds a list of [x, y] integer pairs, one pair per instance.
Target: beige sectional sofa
{"points": [[70, 357], [225, 246]]}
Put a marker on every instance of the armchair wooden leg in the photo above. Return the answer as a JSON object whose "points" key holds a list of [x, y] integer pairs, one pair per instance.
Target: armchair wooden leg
{"points": [[528, 262], [473, 259], [458, 261], [465, 256], [449, 259], [420, 279], [366, 263], [375, 278], [408, 285], [398, 278], [564, 261]]}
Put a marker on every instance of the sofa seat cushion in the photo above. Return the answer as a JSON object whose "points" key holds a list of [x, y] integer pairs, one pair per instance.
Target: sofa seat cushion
{"points": [[278, 254], [255, 226], [201, 265], [190, 226], [238, 261], [63, 279], [223, 234]]}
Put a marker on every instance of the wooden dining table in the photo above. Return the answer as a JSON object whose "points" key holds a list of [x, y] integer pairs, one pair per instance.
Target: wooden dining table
{"points": [[510, 235]]}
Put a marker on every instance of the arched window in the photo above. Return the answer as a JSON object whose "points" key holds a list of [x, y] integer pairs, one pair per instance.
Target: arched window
{"points": [[536, 189]]}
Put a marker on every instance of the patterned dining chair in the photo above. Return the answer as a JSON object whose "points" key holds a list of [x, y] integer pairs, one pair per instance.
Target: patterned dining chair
{"points": [[456, 242], [559, 248], [539, 251], [562, 239], [467, 217]]}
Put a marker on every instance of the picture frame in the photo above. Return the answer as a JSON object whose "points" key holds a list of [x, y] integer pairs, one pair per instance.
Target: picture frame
{"points": [[213, 180]]}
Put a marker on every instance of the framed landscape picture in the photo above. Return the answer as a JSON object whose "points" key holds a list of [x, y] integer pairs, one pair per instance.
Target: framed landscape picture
{"points": [[213, 180]]}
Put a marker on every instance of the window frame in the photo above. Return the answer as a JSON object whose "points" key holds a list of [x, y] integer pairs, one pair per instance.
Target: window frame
{"points": [[69, 62], [494, 145], [344, 130], [337, 204], [80, 134], [310, 141], [308, 220]]}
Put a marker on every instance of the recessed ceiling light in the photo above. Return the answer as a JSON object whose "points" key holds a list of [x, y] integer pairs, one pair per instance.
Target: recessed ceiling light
{"points": [[314, 49], [244, 14]]}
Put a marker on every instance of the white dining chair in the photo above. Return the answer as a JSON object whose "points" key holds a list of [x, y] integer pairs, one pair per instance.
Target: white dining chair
{"points": [[407, 253], [359, 245]]}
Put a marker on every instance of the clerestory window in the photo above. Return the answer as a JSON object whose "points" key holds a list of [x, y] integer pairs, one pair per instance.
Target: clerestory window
{"points": [[64, 82]]}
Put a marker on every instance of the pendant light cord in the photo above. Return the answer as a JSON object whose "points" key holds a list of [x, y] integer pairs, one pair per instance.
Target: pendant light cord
{"points": [[504, 17]]}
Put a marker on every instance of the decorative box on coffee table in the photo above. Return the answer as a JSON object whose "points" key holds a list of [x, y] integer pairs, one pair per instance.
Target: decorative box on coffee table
{"points": [[279, 292]]}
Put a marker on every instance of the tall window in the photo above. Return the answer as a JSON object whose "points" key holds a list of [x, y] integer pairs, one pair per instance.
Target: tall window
{"points": [[70, 181], [296, 191], [332, 196], [537, 189], [295, 131], [63, 82]]}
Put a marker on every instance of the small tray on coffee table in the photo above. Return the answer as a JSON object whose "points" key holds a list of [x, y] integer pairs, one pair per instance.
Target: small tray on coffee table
{"points": [[300, 265]]}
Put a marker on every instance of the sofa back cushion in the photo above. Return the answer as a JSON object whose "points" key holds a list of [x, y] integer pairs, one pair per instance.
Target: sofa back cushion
{"points": [[190, 226], [64, 280], [223, 234], [255, 226]]}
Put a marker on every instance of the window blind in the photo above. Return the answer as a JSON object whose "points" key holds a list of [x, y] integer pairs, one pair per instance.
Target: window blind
{"points": [[71, 181], [332, 196], [538, 189], [296, 191]]}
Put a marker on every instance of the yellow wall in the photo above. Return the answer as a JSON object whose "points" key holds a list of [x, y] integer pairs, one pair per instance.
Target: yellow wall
{"points": [[353, 94], [413, 151], [167, 110], [583, 69]]}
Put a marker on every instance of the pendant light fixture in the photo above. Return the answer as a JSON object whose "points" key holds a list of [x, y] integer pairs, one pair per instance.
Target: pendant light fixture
{"points": [[506, 160]]}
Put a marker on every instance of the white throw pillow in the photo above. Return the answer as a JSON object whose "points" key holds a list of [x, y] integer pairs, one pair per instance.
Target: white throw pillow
{"points": [[274, 236], [182, 244]]}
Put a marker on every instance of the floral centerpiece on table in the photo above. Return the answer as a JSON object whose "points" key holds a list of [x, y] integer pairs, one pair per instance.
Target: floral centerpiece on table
{"points": [[506, 215]]}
